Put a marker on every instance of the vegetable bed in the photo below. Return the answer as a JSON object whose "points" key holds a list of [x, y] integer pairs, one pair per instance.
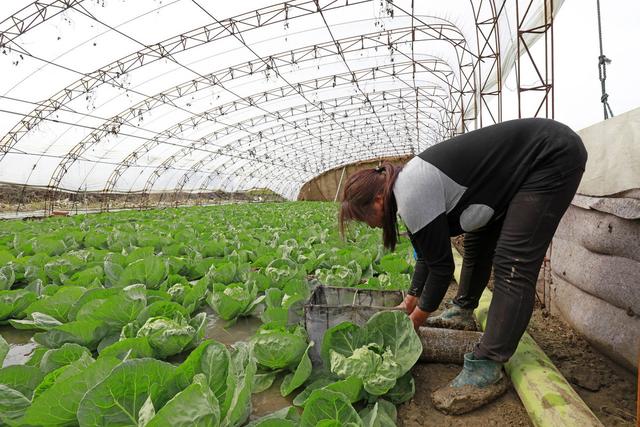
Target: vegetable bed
{"points": [[118, 306]]}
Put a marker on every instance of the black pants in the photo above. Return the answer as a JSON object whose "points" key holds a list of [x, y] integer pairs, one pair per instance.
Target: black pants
{"points": [[516, 246]]}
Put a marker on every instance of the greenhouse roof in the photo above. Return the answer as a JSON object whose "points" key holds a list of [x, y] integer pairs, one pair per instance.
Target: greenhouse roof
{"points": [[196, 95]]}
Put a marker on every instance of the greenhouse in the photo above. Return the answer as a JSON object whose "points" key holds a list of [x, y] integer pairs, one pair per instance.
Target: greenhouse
{"points": [[319, 213]]}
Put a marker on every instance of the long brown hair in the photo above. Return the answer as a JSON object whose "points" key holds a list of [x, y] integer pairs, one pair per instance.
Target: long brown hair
{"points": [[359, 193]]}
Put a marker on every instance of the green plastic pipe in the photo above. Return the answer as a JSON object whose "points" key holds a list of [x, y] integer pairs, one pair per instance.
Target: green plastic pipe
{"points": [[546, 395]]}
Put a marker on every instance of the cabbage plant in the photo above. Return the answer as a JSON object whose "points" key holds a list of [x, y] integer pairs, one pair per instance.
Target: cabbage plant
{"points": [[344, 276], [234, 300], [379, 353]]}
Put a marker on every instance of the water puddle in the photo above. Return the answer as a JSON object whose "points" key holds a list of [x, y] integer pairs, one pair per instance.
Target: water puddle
{"points": [[242, 330], [270, 400], [20, 345]]}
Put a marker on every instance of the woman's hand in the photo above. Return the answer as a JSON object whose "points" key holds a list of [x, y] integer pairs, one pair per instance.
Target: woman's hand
{"points": [[408, 304], [418, 317]]}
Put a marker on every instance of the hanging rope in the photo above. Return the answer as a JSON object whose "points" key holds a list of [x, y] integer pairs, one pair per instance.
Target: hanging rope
{"points": [[602, 71]]}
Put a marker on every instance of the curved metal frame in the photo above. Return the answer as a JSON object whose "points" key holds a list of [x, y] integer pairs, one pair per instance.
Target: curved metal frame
{"points": [[352, 44], [471, 97], [310, 122], [434, 67], [301, 110], [356, 122]]}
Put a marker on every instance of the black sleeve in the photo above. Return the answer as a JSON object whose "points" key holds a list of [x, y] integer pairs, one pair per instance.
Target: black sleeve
{"points": [[433, 246], [420, 274]]}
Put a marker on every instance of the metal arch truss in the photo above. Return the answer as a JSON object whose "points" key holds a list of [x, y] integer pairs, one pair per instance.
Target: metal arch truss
{"points": [[390, 39], [474, 98], [436, 67], [398, 115], [346, 110], [541, 90], [434, 98], [486, 15], [30, 17], [112, 73]]}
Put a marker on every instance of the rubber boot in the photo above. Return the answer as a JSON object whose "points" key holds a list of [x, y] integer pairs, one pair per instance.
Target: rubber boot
{"points": [[454, 317], [481, 381]]}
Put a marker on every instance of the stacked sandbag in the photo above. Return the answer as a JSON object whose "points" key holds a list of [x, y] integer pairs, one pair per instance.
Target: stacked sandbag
{"points": [[595, 264]]}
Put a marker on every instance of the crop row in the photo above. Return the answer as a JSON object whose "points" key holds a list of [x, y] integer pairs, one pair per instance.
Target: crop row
{"points": [[114, 298]]}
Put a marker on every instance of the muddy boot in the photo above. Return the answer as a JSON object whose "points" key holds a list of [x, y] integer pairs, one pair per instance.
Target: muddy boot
{"points": [[454, 317], [481, 381]]}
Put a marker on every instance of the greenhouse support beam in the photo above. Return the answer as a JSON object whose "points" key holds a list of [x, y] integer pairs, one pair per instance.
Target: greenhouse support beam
{"points": [[546, 395]]}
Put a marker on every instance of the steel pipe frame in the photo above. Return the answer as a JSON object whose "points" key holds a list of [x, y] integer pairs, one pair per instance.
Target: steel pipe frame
{"points": [[73, 155], [356, 121], [241, 39], [299, 108], [248, 103], [467, 62], [333, 107], [442, 108], [210, 158], [40, 16], [267, 180], [112, 72], [274, 177], [166, 97], [311, 123], [352, 102], [359, 122], [543, 88], [357, 125], [30, 17], [356, 156], [285, 189], [352, 44], [286, 162], [489, 68]]}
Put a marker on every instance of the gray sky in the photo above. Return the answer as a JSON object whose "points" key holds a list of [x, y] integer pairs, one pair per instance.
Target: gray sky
{"points": [[576, 59]]}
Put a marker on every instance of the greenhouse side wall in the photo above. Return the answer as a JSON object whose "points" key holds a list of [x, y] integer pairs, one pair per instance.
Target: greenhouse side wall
{"points": [[595, 255]]}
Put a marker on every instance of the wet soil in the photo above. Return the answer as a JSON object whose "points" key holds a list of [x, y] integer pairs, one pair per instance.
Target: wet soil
{"points": [[506, 410], [20, 345], [270, 400], [609, 390], [419, 411]]}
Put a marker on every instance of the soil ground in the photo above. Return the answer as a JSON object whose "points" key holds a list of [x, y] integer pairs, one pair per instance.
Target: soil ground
{"points": [[419, 411], [507, 410], [609, 390]]}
